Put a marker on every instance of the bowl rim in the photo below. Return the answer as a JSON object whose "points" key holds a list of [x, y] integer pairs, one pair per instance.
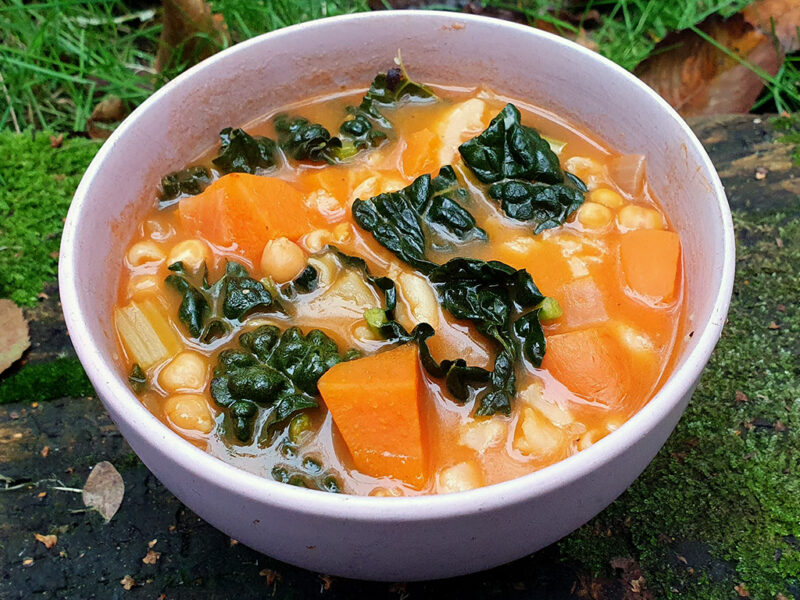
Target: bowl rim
{"points": [[205, 467]]}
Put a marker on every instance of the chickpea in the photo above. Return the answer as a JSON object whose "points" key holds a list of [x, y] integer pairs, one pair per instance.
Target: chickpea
{"points": [[317, 240], [144, 252], [606, 197], [283, 260], [639, 217], [189, 412], [421, 299], [192, 253], [594, 216], [459, 478], [143, 285], [382, 492], [188, 371]]}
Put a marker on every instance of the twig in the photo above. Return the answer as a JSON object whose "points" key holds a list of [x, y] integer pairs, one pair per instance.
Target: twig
{"points": [[10, 106]]}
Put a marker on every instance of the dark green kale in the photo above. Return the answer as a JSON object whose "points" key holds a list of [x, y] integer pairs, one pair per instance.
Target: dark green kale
{"points": [[243, 153], [188, 182], [305, 471], [302, 140], [137, 379], [207, 310], [271, 377], [423, 214], [527, 180], [307, 281]]}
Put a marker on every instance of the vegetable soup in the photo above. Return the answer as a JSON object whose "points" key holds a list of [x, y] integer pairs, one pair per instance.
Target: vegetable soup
{"points": [[451, 290]]}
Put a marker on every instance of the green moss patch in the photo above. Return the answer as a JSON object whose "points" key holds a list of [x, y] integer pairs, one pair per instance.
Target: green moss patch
{"points": [[62, 378], [37, 182]]}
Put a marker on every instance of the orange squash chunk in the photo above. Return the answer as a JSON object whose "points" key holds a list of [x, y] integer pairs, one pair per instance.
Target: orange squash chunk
{"points": [[243, 212], [649, 259], [374, 402], [590, 363], [421, 152]]}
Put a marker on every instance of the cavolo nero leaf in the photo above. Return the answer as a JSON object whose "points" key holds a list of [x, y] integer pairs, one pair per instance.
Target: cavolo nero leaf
{"points": [[187, 182], [424, 213], [272, 371], [241, 152], [302, 140], [525, 176], [206, 309]]}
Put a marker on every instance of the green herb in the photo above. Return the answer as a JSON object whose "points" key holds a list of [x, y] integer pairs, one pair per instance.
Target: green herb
{"points": [[274, 373], [187, 182], [550, 310], [527, 180], [137, 379], [409, 220], [243, 153], [207, 309], [375, 317]]}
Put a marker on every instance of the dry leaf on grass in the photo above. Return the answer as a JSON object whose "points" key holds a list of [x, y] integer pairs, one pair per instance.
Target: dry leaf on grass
{"points": [[13, 334], [151, 557], [48, 540], [128, 582], [783, 14], [105, 116], [697, 78], [104, 490], [190, 33]]}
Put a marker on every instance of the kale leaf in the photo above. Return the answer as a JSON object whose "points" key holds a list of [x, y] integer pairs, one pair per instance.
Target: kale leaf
{"points": [[426, 211], [187, 182], [207, 309], [274, 372], [137, 379], [527, 180], [243, 153], [302, 140]]}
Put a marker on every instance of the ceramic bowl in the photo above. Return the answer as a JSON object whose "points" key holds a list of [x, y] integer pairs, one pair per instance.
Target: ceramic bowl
{"points": [[393, 538]]}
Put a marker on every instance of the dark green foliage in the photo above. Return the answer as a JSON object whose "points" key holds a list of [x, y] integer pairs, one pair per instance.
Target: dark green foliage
{"points": [[305, 471], [187, 182], [272, 377], [244, 153], [527, 180], [307, 281], [408, 221], [302, 140], [206, 309], [137, 379], [36, 382]]}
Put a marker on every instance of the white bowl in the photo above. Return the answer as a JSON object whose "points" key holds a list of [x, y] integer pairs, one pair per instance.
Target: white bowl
{"points": [[393, 538]]}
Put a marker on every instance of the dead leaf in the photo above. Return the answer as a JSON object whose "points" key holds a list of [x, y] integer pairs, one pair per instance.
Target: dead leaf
{"points": [[783, 14], [151, 557], [56, 140], [104, 489], [13, 334], [190, 34], [128, 582], [272, 576], [697, 78], [105, 117], [773, 325], [327, 581], [761, 173], [45, 451], [48, 540], [152, 543], [740, 397], [27, 562], [741, 589]]}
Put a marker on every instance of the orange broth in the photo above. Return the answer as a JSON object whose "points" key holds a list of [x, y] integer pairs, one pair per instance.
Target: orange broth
{"points": [[578, 264]]}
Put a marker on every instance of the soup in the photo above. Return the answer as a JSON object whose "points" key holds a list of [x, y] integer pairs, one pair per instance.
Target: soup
{"points": [[454, 290]]}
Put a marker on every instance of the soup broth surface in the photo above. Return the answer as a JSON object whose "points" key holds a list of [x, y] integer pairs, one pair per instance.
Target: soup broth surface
{"points": [[560, 408]]}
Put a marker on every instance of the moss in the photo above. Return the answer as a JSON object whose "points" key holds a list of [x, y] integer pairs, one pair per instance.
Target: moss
{"points": [[64, 377], [790, 133], [36, 186], [726, 485]]}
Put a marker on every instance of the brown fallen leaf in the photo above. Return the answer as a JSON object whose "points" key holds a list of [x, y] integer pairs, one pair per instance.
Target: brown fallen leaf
{"points": [[48, 540], [13, 334], [697, 78], [104, 489], [190, 34], [784, 15], [56, 140], [128, 582], [45, 451], [741, 589], [27, 562], [105, 116], [151, 557]]}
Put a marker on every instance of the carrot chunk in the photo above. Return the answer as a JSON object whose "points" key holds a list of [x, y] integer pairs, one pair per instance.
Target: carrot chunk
{"points": [[243, 212], [590, 363], [649, 259], [374, 402], [420, 154]]}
